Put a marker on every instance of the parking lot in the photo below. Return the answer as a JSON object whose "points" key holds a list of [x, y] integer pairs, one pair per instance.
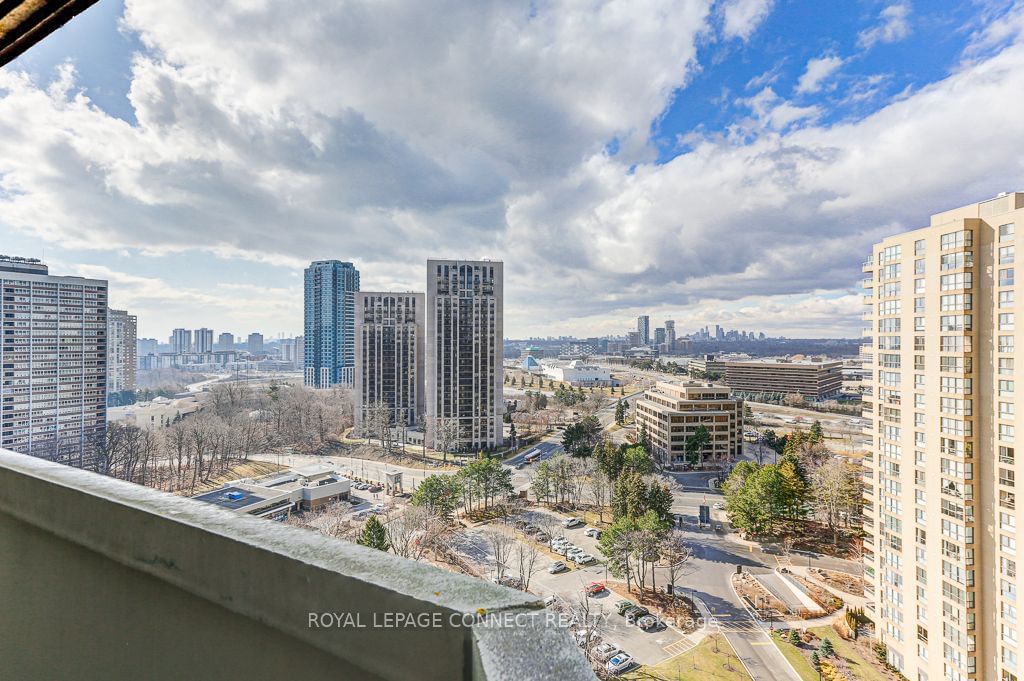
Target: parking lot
{"points": [[568, 588]]}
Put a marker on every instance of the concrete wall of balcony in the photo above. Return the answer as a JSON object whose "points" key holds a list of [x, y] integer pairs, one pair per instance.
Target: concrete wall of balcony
{"points": [[103, 579]]}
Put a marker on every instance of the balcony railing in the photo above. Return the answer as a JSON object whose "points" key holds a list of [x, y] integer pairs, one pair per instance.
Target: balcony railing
{"points": [[106, 579]]}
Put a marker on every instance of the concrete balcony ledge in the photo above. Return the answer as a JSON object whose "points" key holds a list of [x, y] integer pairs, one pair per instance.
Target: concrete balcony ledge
{"points": [[100, 578]]}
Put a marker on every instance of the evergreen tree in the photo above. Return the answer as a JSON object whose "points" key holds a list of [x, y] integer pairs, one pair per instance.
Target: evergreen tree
{"points": [[797, 487], [816, 661], [610, 460], [659, 500], [817, 434], [794, 637], [638, 460], [374, 535], [694, 447], [826, 649]]}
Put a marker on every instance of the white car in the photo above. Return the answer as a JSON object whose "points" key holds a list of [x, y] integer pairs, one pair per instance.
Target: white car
{"points": [[572, 522], [581, 558], [718, 506], [619, 663], [585, 636], [604, 651], [574, 551], [556, 567], [593, 532]]}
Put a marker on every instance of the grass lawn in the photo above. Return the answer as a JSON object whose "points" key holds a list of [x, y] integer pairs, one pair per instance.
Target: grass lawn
{"points": [[710, 666], [860, 669]]}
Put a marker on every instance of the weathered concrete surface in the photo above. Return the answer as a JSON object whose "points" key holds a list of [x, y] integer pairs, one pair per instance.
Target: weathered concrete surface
{"points": [[104, 579]]}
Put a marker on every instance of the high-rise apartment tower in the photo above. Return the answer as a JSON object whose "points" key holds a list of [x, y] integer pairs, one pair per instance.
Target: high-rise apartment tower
{"points": [[53, 391], [464, 352], [940, 491], [330, 328]]}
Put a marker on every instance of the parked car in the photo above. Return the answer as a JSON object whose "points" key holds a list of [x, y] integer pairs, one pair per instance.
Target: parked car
{"points": [[557, 566], [593, 532], [573, 552], [542, 537], [624, 605], [594, 588], [585, 636], [619, 663], [550, 600], [572, 522], [581, 558], [633, 614], [650, 623], [605, 651], [531, 529], [376, 488], [718, 506]]}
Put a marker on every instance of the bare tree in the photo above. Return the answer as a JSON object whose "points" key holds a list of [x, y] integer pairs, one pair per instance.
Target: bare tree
{"points": [[501, 545], [380, 423], [446, 435], [526, 556], [675, 553]]}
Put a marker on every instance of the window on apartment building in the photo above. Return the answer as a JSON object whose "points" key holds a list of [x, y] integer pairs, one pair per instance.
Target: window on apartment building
{"points": [[1005, 344], [1006, 321], [1006, 298], [919, 247], [1006, 277], [918, 304], [955, 261], [1007, 477], [959, 280], [1006, 232], [1006, 432], [1007, 566], [955, 302], [1006, 455], [1006, 387], [919, 343], [1006, 411], [919, 266], [918, 323], [1006, 255], [919, 285]]}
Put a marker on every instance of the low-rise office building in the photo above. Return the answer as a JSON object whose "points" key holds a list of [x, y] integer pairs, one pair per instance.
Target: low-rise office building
{"points": [[671, 413], [577, 373], [812, 380], [275, 496]]}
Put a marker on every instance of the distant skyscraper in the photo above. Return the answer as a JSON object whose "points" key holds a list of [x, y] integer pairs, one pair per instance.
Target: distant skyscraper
{"points": [[254, 344], [293, 350], [670, 334], [226, 341], [643, 329], [122, 351], [719, 332], [389, 358], [202, 340], [181, 341], [659, 336], [147, 346], [53, 390], [330, 297], [464, 351]]}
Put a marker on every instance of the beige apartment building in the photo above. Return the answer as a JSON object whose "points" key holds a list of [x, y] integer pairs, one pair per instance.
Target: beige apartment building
{"points": [[940, 498], [813, 380], [671, 412]]}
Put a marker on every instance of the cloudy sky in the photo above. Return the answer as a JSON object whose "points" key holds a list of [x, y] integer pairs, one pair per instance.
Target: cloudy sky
{"points": [[725, 161]]}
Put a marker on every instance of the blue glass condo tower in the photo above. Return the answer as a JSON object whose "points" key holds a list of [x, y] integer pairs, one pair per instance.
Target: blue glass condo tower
{"points": [[330, 293]]}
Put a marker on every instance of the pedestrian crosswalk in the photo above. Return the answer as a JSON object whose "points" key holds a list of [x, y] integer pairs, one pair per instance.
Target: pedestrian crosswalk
{"points": [[732, 624], [679, 647]]}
